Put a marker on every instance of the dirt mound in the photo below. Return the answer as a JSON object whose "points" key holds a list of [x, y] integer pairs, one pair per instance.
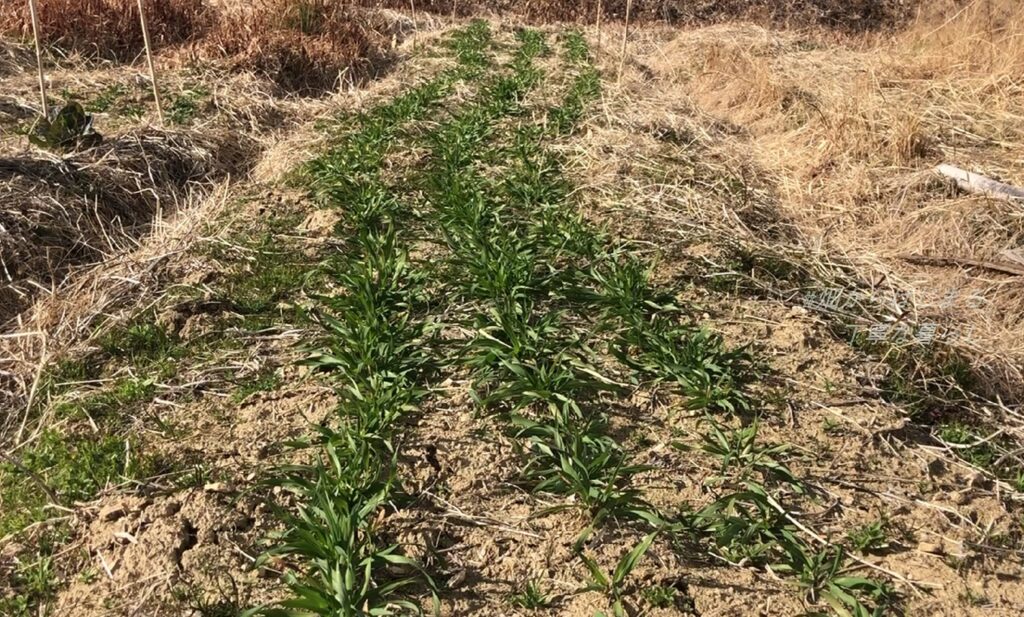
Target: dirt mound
{"points": [[65, 212]]}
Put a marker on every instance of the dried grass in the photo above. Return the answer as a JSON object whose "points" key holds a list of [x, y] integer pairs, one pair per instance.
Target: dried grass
{"points": [[106, 28], [65, 212], [306, 46], [847, 15], [111, 291], [849, 129]]}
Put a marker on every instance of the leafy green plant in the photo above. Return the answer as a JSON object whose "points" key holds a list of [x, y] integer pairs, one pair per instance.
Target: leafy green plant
{"points": [[531, 597], [574, 458], [751, 527], [870, 537], [660, 596], [105, 100], [348, 574], [375, 349], [693, 359], [746, 527], [740, 454], [70, 129], [34, 581], [825, 576], [184, 106], [612, 584], [620, 285]]}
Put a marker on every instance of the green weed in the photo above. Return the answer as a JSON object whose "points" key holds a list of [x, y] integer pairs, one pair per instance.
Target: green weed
{"points": [[143, 342], [185, 106], [741, 456], [531, 597], [869, 538], [612, 584]]}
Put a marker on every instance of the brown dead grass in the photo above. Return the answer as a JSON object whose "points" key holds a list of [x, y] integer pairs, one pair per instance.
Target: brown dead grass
{"points": [[849, 130], [106, 28], [845, 15], [306, 46]]}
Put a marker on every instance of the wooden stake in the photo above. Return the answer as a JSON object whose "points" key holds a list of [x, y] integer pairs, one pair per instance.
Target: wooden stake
{"points": [[149, 58], [39, 57], [625, 39], [600, 9], [415, 28]]}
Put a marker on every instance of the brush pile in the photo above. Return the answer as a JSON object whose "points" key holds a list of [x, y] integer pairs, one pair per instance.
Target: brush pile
{"points": [[304, 46], [307, 46]]}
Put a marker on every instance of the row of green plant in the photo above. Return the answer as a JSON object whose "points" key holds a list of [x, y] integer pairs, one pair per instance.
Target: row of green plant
{"points": [[512, 248], [94, 397], [546, 290], [376, 349]]}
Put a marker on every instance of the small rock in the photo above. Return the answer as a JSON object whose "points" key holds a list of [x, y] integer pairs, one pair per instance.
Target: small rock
{"points": [[112, 512], [219, 487], [979, 480], [457, 579], [959, 498], [798, 311], [931, 547]]}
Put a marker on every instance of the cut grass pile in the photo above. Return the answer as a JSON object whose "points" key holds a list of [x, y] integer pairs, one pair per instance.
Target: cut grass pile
{"points": [[78, 210]]}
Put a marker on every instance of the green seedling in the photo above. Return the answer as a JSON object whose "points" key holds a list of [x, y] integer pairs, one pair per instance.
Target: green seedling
{"points": [[332, 532], [825, 576], [869, 538], [693, 359], [531, 597], [612, 584], [741, 456]]}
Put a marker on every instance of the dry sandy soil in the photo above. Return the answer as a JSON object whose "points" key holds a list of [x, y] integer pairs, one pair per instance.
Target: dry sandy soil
{"points": [[757, 167]]}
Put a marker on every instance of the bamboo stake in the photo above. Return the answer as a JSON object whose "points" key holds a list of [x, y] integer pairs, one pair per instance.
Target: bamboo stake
{"points": [[415, 28], [625, 39], [149, 59], [39, 57]]}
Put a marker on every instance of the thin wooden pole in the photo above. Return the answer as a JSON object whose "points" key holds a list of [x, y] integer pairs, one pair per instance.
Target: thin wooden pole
{"points": [[600, 9], [415, 28], [39, 57], [149, 59], [625, 39]]}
